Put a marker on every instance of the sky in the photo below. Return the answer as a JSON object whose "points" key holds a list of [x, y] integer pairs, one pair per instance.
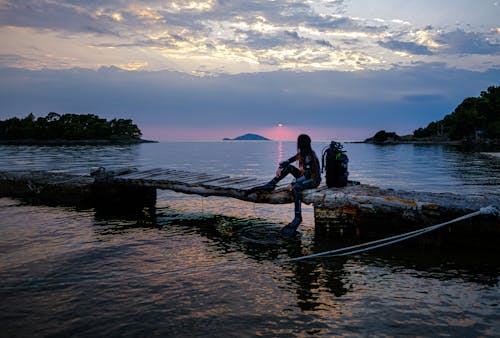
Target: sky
{"points": [[204, 70]]}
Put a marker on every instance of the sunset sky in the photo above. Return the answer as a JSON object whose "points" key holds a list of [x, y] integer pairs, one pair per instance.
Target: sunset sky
{"points": [[204, 70]]}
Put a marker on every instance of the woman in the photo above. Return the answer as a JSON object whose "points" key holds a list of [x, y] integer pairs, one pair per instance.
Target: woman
{"points": [[307, 176]]}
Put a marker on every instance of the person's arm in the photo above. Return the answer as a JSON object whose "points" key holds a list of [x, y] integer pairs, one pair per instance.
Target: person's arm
{"points": [[306, 176], [290, 160]]}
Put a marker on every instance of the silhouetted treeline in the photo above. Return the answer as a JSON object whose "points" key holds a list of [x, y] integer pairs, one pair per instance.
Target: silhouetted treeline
{"points": [[475, 117], [68, 127]]}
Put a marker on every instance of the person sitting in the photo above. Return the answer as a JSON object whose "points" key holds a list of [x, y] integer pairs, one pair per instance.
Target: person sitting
{"points": [[306, 176]]}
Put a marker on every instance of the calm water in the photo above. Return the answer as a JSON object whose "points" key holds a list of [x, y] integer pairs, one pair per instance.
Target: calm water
{"points": [[192, 272]]}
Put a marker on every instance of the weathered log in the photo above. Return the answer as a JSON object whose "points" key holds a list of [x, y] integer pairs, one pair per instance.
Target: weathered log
{"points": [[373, 213], [358, 202], [49, 188], [353, 208], [81, 191]]}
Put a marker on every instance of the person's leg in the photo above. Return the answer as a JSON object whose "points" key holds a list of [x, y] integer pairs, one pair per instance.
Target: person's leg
{"points": [[291, 228], [269, 186], [297, 189]]}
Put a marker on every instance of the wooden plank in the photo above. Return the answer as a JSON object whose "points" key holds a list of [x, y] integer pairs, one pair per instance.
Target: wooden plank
{"points": [[223, 181], [139, 174], [148, 176], [250, 185], [208, 180], [162, 175], [188, 178], [203, 180], [178, 173], [200, 176], [187, 173], [243, 181], [226, 181], [159, 178], [172, 177]]}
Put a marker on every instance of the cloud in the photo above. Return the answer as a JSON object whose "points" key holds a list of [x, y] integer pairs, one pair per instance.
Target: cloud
{"points": [[459, 41], [235, 36], [53, 16], [402, 99], [403, 46]]}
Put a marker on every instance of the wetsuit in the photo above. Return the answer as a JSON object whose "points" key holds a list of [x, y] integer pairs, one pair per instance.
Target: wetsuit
{"points": [[307, 178]]}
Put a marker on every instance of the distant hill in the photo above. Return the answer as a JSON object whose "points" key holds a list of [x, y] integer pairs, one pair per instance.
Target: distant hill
{"points": [[475, 119], [383, 137], [247, 137]]}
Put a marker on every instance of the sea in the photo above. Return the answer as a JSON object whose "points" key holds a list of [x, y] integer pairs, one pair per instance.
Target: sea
{"points": [[193, 270]]}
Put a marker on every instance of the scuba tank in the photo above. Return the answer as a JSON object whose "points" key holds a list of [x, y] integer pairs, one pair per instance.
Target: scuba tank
{"points": [[335, 161]]}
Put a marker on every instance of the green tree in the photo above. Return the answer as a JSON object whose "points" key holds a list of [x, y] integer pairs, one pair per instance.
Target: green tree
{"points": [[383, 136], [472, 115], [68, 126]]}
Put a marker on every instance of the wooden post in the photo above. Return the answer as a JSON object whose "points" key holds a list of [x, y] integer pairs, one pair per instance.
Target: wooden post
{"points": [[124, 200], [112, 198]]}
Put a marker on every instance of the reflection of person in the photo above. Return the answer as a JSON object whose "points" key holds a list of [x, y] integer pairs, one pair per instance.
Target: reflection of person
{"points": [[307, 176]]}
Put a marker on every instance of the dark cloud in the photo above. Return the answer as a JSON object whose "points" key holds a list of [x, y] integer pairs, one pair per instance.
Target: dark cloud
{"points": [[324, 43], [462, 42], [96, 16], [370, 99], [198, 28], [192, 26], [345, 24], [293, 35], [403, 46], [51, 15]]}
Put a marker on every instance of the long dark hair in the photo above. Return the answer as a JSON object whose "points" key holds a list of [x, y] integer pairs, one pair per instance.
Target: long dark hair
{"points": [[304, 146]]}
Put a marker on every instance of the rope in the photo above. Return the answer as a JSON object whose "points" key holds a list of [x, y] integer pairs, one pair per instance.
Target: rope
{"points": [[489, 210]]}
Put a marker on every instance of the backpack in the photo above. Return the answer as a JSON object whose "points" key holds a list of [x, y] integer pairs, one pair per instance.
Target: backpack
{"points": [[335, 161]]}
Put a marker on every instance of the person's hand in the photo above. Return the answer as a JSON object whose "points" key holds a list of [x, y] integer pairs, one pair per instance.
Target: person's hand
{"points": [[278, 172], [290, 187]]}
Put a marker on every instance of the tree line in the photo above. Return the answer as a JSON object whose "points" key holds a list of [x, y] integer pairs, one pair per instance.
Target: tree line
{"points": [[68, 127], [474, 117]]}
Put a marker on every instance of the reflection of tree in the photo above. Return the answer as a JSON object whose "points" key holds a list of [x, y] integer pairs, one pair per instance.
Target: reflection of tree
{"points": [[476, 172], [69, 127]]}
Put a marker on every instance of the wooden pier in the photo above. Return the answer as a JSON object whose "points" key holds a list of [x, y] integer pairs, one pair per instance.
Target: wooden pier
{"points": [[352, 209]]}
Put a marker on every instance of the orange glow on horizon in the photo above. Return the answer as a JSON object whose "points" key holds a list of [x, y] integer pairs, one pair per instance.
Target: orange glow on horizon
{"points": [[275, 133], [281, 132]]}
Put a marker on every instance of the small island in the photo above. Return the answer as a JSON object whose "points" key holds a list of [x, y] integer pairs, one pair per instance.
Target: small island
{"points": [[56, 129], [247, 137], [475, 121]]}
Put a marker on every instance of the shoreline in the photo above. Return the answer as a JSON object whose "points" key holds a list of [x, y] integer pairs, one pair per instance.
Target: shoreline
{"points": [[471, 145], [429, 142], [63, 142]]}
